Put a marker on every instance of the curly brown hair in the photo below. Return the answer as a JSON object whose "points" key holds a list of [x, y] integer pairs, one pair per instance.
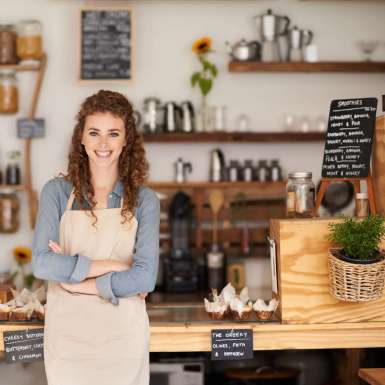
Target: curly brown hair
{"points": [[133, 166]]}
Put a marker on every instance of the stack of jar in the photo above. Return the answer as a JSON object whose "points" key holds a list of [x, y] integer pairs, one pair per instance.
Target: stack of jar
{"points": [[248, 172], [22, 42]]}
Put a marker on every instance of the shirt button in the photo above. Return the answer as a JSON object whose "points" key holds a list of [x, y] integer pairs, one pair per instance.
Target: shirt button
{"points": [[110, 195]]}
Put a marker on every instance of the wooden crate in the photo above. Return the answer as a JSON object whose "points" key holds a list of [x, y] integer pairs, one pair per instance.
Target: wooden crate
{"points": [[303, 285]]}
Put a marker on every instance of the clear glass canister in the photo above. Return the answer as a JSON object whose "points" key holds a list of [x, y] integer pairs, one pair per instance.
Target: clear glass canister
{"points": [[9, 211], [300, 195], [362, 205], [29, 40], [7, 44], [9, 95]]}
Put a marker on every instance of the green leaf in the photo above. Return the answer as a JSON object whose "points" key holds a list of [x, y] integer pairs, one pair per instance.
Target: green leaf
{"points": [[28, 280], [213, 70], [205, 85], [195, 78]]}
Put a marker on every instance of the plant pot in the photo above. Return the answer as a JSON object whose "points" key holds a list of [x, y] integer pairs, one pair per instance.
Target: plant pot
{"points": [[339, 253], [355, 282]]}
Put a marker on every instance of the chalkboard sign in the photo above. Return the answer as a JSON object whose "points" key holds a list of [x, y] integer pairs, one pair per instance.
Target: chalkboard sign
{"points": [[30, 128], [23, 345], [349, 138], [231, 344], [106, 44]]}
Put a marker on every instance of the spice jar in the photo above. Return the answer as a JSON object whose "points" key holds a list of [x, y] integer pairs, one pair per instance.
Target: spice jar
{"points": [[9, 211], [7, 45], [362, 205], [275, 172], [248, 170], [300, 195], [262, 171], [9, 95], [12, 172], [29, 40], [233, 171]]}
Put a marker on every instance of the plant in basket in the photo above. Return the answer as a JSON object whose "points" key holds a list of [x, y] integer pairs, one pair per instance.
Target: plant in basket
{"points": [[357, 267]]}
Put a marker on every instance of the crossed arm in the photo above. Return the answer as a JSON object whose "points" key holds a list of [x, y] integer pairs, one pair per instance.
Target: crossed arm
{"points": [[98, 268]]}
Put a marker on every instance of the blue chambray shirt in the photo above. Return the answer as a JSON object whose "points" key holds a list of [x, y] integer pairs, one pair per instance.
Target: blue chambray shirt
{"points": [[139, 278]]}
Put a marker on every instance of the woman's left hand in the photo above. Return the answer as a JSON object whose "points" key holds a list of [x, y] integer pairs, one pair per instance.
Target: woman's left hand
{"points": [[142, 295], [55, 247]]}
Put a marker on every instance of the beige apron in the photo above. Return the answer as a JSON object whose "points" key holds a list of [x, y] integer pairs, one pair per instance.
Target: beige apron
{"points": [[88, 340]]}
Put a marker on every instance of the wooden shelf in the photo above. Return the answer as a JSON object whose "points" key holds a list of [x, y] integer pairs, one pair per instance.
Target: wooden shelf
{"points": [[359, 66], [21, 67], [231, 137], [14, 187], [219, 185]]}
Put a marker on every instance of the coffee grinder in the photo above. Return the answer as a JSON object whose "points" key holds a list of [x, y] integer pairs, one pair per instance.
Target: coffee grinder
{"points": [[180, 268]]}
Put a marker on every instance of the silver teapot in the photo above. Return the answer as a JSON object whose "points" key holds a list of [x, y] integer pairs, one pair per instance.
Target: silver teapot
{"points": [[244, 50]]}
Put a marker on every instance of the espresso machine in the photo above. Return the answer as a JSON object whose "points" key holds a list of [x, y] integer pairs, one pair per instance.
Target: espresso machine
{"points": [[180, 268], [270, 27]]}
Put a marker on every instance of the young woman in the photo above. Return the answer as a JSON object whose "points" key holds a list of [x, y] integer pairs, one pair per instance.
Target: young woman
{"points": [[97, 242]]}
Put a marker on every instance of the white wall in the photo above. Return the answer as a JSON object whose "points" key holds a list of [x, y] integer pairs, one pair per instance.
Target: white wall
{"points": [[165, 31]]}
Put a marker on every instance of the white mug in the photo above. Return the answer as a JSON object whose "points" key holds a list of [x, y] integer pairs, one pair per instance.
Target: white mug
{"points": [[310, 53]]}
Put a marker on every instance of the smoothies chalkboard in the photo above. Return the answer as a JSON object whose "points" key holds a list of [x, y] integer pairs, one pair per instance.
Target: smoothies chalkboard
{"points": [[106, 44], [348, 144]]}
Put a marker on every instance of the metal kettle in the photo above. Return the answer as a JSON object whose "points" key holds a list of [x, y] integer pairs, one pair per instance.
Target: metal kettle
{"points": [[243, 50], [172, 117], [217, 165], [181, 170], [271, 26], [152, 113], [188, 116]]}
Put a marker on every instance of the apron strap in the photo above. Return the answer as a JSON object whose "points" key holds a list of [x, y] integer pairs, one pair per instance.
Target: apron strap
{"points": [[70, 200]]}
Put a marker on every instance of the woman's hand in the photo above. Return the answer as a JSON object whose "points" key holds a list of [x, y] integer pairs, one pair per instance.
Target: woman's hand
{"points": [[142, 295], [55, 247]]}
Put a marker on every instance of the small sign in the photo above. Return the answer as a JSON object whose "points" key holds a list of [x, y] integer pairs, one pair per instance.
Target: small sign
{"points": [[30, 128], [231, 344], [349, 138], [106, 44], [23, 345]]}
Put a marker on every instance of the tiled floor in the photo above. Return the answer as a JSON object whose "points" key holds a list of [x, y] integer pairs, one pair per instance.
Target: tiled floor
{"points": [[22, 374]]}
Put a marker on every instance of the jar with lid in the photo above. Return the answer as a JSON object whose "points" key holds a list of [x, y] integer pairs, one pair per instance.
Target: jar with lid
{"points": [[9, 94], [29, 40], [247, 171], [300, 195], [262, 171], [275, 172], [233, 171], [7, 44], [362, 205], [12, 172], [9, 211]]}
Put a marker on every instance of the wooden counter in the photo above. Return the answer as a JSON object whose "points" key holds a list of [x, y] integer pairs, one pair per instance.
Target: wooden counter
{"points": [[179, 335]]}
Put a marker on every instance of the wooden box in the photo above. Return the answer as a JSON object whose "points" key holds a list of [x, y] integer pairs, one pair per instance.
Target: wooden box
{"points": [[303, 285]]}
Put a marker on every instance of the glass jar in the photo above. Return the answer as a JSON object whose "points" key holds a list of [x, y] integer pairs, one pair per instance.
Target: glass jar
{"points": [[7, 44], [362, 205], [300, 195], [9, 94], [9, 211], [275, 172], [248, 170], [29, 40], [233, 171], [262, 171], [12, 172]]}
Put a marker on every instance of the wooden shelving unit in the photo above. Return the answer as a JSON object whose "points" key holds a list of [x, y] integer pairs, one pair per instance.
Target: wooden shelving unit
{"points": [[359, 66], [234, 137], [39, 68]]}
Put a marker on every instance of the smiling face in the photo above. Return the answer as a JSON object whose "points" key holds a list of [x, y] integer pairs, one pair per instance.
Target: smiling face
{"points": [[103, 139]]}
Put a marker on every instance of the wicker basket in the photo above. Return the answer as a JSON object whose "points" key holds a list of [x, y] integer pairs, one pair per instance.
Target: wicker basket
{"points": [[352, 282]]}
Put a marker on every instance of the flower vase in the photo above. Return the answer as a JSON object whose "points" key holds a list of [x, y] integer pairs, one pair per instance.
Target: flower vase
{"points": [[202, 121]]}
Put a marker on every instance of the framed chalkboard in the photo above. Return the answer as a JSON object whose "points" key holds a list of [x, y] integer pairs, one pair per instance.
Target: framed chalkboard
{"points": [[106, 44], [349, 138]]}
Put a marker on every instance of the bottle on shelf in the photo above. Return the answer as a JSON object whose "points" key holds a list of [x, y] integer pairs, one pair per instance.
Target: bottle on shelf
{"points": [[262, 171], [9, 211], [12, 172], [275, 171], [233, 171], [29, 40], [9, 94], [7, 44]]}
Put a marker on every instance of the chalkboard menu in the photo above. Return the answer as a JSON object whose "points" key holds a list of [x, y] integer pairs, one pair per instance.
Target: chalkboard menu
{"points": [[106, 44], [231, 344], [23, 345], [349, 137]]}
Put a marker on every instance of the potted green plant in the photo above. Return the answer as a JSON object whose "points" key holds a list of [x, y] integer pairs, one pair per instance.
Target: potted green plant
{"points": [[357, 266]]}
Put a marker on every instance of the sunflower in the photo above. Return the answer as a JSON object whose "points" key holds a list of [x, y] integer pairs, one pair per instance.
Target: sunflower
{"points": [[22, 254], [202, 45]]}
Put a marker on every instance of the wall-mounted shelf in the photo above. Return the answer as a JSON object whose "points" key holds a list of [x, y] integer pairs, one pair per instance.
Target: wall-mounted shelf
{"points": [[13, 187], [241, 137], [39, 68], [358, 66]]}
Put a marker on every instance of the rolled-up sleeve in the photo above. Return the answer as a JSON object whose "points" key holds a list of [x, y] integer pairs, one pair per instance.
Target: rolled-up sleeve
{"points": [[45, 263], [141, 276]]}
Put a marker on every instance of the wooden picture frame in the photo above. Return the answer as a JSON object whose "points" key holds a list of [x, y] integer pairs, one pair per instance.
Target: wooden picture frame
{"points": [[105, 44]]}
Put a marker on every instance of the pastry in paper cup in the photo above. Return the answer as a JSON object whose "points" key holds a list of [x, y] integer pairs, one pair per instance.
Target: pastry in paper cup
{"points": [[217, 307], [239, 310], [265, 311]]}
